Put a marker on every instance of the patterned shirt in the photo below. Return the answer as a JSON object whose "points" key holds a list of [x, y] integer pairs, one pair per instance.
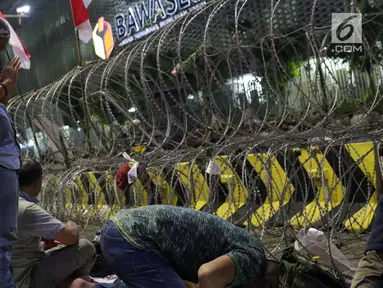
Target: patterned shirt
{"points": [[190, 238]]}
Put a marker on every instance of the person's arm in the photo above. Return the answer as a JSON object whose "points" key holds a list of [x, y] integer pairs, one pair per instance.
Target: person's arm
{"points": [[39, 223], [3, 90], [6, 87], [9, 77], [218, 273], [69, 235]]}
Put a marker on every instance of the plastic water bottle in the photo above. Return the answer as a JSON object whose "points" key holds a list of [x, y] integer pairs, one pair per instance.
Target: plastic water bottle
{"points": [[97, 237]]}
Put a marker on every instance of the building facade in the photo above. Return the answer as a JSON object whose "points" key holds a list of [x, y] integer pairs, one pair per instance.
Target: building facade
{"points": [[49, 33]]}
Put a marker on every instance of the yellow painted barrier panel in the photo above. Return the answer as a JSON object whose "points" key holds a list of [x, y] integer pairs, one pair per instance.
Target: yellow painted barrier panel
{"points": [[238, 193], [139, 149], [279, 187], [118, 198], [82, 191], [72, 193], [329, 188], [193, 179], [68, 198], [139, 194], [111, 186], [364, 156], [168, 196], [95, 187], [68, 192]]}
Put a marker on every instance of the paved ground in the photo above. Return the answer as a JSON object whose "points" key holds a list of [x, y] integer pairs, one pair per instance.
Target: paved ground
{"points": [[351, 245]]}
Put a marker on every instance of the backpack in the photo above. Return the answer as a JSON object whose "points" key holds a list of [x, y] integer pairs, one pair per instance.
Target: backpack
{"points": [[296, 271]]}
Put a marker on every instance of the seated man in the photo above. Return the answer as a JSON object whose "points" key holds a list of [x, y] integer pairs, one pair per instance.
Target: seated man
{"points": [[161, 246], [58, 267]]}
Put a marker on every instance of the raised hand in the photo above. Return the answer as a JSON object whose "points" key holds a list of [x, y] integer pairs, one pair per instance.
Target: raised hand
{"points": [[10, 73]]}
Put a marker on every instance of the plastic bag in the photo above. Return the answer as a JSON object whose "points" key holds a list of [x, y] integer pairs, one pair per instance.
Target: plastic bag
{"points": [[315, 244], [213, 168], [133, 172]]}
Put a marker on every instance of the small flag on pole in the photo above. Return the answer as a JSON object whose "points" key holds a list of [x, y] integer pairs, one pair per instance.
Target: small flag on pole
{"points": [[103, 41], [81, 19], [17, 46]]}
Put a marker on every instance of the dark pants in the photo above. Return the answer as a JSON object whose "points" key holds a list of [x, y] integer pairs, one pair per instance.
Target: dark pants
{"points": [[135, 267], [62, 263], [6, 279], [369, 273], [9, 195]]}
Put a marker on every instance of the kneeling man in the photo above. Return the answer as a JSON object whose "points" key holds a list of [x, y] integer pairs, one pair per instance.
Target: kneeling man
{"points": [[32, 266], [165, 246]]}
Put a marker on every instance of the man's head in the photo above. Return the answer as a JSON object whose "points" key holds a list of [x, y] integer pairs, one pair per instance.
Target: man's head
{"points": [[31, 177], [4, 34], [271, 279]]}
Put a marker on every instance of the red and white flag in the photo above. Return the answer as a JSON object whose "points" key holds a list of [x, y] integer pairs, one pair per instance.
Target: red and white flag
{"points": [[81, 19], [18, 46]]}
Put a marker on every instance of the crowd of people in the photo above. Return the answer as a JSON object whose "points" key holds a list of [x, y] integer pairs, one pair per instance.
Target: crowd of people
{"points": [[155, 246]]}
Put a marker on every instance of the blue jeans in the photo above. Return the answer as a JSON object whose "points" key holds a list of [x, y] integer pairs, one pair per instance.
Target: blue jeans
{"points": [[9, 199], [136, 268], [6, 278]]}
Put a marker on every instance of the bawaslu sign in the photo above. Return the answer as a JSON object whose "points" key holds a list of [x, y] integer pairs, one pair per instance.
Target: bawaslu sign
{"points": [[143, 18]]}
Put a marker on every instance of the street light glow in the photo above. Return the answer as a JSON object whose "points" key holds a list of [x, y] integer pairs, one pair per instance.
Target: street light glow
{"points": [[23, 9]]}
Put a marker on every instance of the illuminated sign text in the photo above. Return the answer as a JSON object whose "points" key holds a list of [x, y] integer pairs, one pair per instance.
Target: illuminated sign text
{"points": [[143, 18]]}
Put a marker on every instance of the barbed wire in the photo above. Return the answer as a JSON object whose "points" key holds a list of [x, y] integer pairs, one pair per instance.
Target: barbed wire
{"points": [[252, 87]]}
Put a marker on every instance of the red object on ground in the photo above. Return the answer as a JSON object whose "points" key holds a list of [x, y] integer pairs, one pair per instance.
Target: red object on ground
{"points": [[122, 175], [48, 244]]}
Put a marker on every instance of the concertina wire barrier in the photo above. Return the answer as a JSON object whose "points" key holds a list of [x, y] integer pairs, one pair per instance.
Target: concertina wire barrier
{"points": [[249, 87]]}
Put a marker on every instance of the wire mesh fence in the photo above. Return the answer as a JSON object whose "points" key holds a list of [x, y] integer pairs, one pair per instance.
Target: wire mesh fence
{"points": [[252, 88]]}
